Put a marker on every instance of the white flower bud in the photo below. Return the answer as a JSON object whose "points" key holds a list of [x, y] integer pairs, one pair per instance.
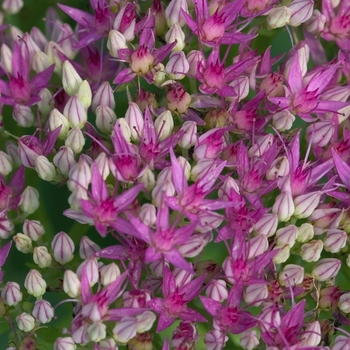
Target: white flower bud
{"points": [[284, 206], [103, 97], [42, 257], [311, 251], [189, 137], [278, 17], [33, 228], [164, 125], [335, 240], [64, 160], [116, 41], [279, 168], [326, 269], [75, 140], [47, 101], [11, 293], [41, 61], [23, 115], [344, 303], [66, 343], [25, 322], [109, 273], [145, 321], [249, 340], [125, 329], [291, 275], [43, 311], [105, 119], [256, 294], [305, 204], [287, 235], [148, 214], [283, 120], [5, 163], [71, 284], [56, 119], [175, 33], [71, 80], [45, 169], [267, 225], [23, 243], [134, 118], [35, 284], [75, 112], [84, 94], [97, 331], [312, 334], [6, 58], [305, 233], [148, 179], [29, 202], [217, 290], [282, 255]]}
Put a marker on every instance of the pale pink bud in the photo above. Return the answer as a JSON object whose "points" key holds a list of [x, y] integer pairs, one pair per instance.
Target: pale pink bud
{"points": [[284, 206], [326, 269], [305, 233], [291, 275], [165, 175], [148, 214], [279, 168], [283, 120], [105, 119], [249, 340], [217, 290], [287, 235], [145, 321], [6, 227], [282, 255], [156, 268], [215, 340], [91, 269], [344, 303], [256, 294], [301, 11], [312, 334], [335, 240], [176, 33], [41, 61], [56, 119], [84, 94], [261, 146], [5, 163], [164, 125], [189, 138], [23, 115], [320, 133], [116, 41], [75, 112], [103, 97], [125, 329], [71, 284], [257, 246], [182, 277], [109, 273], [230, 190], [267, 225], [161, 191], [79, 176], [341, 343], [6, 58], [316, 23], [38, 37], [45, 169], [325, 218], [278, 17], [97, 331], [29, 201], [311, 251], [87, 247], [23, 243], [75, 140], [305, 204], [11, 293], [108, 344], [12, 151], [64, 160], [71, 80], [33, 228], [75, 198], [134, 118], [67, 40], [136, 299], [193, 246], [46, 103], [25, 322], [173, 12], [66, 343], [43, 311], [12, 6], [35, 284], [148, 179], [62, 248], [42, 257], [195, 59], [270, 318]]}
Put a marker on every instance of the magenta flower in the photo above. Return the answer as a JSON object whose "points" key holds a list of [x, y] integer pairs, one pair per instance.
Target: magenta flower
{"points": [[21, 89], [173, 304]]}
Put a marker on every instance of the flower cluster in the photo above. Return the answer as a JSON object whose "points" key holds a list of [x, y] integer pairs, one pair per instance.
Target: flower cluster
{"points": [[205, 174]]}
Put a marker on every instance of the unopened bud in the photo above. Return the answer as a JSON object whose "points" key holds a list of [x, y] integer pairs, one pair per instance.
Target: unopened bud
{"points": [[257, 246], [164, 125], [326, 269], [75, 140], [97, 331], [84, 94], [145, 321], [116, 41], [105, 119], [278, 17], [11, 293], [71, 284], [56, 119], [305, 233], [108, 344], [43, 311], [176, 33], [62, 248], [91, 269], [6, 58], [66, 343], [148, 214], [5, 163], [256, 294], [103, 97], [12, 6], [311, 251], [195, 59], [279, 168], [249, 340], [173, 12], [284, 206], [29, 201], [283, 120], [305, 204], [213, 338], [316, 23], [335, 240], [64, 160], [148, 179], [79, 176], [46, 103], [312, 334], [71, 80], [25, 322], [301, 11], [42, 257], [87, 247], [267, 225], [134, 118], [344, 303], [217, 290], [291, 275], [162, 190], [33, 229], [41, 62], [23, 115], [45, 169], [23, 243], [35, 284], [189, 137], [75, 112], [125, 329], [282, 255], [109, 273]]}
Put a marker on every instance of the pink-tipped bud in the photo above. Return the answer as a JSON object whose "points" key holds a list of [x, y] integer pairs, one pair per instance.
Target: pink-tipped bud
{"points": [[125, 21], [287, 235], [25, 322], [217, 290], [23, 243], [173, 12], [71, 80], [105, 119], [91, 269], [189, 137], [125, 329], [35, 284], [311, 251], [141, 60], [5, 163], [66, 343], [284, 206], [324, 218], [42, 257], [344, 303], [305, 233], [305, 204], [75, 112], [64, 160], [62, 248], [97, 331], [109, 273], [56, 119], [148, 214], [195, 59], [11, 293], [46, 103], [320, 133], [249, 340], [283, 120], [301, 11], [215, 340], [103, 97], [87, 247], [316, 23], [326, 269], [335, 240], [75, 140], [175, 33], [291, 275], [23, 115], [312, 334], [256, 294], [71, 284], [134, 118], [278, 17], [45, 169], [43, 311], [79, 176], [178, 99], [33, 228]]}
